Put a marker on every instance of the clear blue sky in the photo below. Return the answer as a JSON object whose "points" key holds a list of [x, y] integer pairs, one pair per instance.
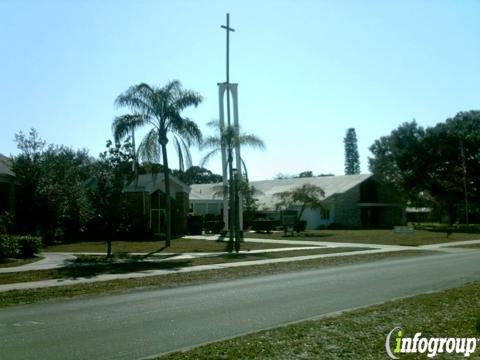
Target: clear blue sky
{"points": [[307, 70]]}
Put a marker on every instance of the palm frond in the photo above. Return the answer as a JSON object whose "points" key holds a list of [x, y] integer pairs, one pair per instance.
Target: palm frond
{"points": [[251, 141], [210, 142], [188, 155], [161, 107], [138, 98], [186, 98], [214, 124], [124, 124], [172, 87], [186, 129], [244, 170], [178, 148], [208, 156], [149, 149]]}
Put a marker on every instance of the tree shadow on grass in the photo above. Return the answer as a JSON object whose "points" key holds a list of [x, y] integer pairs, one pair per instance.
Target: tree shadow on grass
{"points": [[104, 266], [154, 252], [235, 256], [314, 235]]}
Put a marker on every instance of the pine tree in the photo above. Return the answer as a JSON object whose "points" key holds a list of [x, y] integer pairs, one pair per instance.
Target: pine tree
{"points": [[352, 159]]}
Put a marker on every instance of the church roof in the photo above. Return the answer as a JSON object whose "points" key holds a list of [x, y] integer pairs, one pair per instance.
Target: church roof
{"points": [[6, 166], [265, 189]]}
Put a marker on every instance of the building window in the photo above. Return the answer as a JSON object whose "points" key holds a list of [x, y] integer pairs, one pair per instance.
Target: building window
{"points": [[325, 214]]}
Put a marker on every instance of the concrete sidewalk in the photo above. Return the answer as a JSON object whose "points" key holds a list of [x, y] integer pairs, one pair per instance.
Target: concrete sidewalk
{"points": [[440, 246], [55, 260], [49, 261], [146, 273], [299, 242]]}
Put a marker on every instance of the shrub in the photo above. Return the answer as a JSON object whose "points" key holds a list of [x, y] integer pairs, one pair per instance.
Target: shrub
{"points": [[214, 227], [195, 225], [19, 246], [8, 247], [300, 226], [6, 222], [28, 246], [261, 225]]}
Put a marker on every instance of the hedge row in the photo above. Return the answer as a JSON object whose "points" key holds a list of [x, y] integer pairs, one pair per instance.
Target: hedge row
{"points": [[13, 246]]}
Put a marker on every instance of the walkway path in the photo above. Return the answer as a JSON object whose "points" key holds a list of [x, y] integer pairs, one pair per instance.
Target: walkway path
{"points": [[307, 242], [145, 273], [49, 261], [56, 260], [53, 260]]}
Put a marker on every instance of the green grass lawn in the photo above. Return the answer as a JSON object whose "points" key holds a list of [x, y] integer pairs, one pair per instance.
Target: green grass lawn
{"points": [[358, 334], [471, 246], [387, 237], [4, 263], [16, 297], [180, 245]]}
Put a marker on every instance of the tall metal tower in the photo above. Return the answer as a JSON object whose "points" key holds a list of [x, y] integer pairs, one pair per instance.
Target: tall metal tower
{"points": [[232, 199]]}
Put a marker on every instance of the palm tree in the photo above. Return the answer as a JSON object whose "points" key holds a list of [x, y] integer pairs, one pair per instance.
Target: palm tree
{"points": [[159, 109], [224, 138], [227, 138]]}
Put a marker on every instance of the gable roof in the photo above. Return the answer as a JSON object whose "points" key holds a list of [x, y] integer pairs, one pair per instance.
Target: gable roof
{"points": [[206, 191], [6, 166], [152, 182], [266, 189]]}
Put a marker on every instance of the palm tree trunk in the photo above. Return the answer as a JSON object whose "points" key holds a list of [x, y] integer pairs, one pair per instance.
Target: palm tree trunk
{"points": [[168, 210], [232, 215]]}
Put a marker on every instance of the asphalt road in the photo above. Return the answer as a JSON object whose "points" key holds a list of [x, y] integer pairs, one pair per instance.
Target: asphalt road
{"points": [[145, 323]]}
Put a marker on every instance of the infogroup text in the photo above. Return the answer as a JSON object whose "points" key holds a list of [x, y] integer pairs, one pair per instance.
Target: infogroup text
{"points": [[429, 346]]}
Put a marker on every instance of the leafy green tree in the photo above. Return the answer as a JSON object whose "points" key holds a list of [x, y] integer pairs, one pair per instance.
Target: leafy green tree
{"points": [[444, 167], [306, 174], [250, 202], [197, 175], [160, 109], [352, 159], [282, 176], [427, 167], [105, 189], [397, 159], [51, 198], [305, 196]]}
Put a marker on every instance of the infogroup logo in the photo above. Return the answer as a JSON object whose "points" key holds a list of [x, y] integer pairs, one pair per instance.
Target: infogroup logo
{"points": [[429, 346]]}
